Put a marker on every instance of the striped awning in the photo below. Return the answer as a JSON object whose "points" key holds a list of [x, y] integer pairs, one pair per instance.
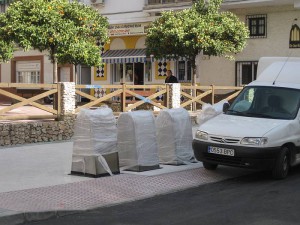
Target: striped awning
{"points": [[124, 56]]}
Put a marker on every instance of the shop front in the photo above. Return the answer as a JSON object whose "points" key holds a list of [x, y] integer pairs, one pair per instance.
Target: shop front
{"points": [[125, 59], [129, 66]]}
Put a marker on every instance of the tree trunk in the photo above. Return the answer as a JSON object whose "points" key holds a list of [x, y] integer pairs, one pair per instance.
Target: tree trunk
{"points": [[55, 79], [55, 76], [75, 78]]}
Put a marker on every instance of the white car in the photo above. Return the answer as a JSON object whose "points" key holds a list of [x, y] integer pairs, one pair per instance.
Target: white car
{"points": [[261, 129]]}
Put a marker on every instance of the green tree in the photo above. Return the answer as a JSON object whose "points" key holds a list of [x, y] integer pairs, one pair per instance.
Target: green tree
{"points": [[6, 45], [188, 32], [6, 51], [68, 31]]}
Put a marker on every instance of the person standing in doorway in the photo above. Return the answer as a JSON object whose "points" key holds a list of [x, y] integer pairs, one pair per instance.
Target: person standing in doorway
{"points": [[136, 78], [170, 78]]}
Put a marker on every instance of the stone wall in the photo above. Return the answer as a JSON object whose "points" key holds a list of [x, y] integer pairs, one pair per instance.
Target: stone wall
{"points": [[20, 132], [37, 131]]}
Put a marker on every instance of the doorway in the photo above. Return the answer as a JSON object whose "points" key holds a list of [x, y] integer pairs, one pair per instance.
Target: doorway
{"points": [[85, 78], [139, 73]]}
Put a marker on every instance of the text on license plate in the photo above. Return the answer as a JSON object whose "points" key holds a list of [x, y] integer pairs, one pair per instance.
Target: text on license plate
{"points": [[221, 151]]}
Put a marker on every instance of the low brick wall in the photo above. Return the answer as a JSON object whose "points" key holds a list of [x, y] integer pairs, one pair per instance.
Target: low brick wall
{"points": [[15, 133]]}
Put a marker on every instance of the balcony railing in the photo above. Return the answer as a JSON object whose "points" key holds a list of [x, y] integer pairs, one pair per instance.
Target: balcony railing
{"points": [[157, 2]]}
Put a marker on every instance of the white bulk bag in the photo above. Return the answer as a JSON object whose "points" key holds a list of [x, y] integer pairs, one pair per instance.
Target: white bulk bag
{"points": [[137, 144], [95, 131], [95, 135], [175, 136]]}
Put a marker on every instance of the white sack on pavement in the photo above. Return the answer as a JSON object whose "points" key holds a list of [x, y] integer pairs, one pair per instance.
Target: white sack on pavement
{"points": [[174, 136], [137, 144], [95, 133]]}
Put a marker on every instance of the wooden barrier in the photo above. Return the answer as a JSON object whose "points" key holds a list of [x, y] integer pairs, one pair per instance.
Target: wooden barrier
{"points": [[129, 97], [205, 91], [21, 101]]}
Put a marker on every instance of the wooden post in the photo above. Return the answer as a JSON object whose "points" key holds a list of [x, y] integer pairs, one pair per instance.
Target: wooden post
{"points": [[58, 98], [212, 94], [167, 97], [123, 98]]}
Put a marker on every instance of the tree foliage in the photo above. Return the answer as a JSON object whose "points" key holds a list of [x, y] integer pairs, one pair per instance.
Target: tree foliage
{"points": [[6, 45], [201, 28], [68, 31]]}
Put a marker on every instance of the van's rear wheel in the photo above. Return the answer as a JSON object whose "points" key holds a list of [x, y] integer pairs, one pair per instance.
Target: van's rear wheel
{"points": [[282, 164], [210, 166]]}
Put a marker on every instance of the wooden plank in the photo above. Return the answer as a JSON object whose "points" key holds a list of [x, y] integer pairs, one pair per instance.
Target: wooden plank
{"points": [[28, 117], [4, 85], [108, 96], [91, 86], [27, 85], [146, 100], [85, 95], [228, 88], [58, 98], [123, 98], [133, 106], [147, 86], [195, 87], [149, 97], [25, 101], [194, 99], [191, 97], [143, 93], [167, 97]]}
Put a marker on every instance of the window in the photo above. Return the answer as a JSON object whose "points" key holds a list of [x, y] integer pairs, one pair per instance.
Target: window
{"points": [[184, 71], [148, 72], [266, 102], [32, 77], [28, 72], [245, 72], [117, 73], [257, 25], [132, 73]]}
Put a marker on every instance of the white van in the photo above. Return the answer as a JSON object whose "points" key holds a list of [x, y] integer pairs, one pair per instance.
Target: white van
{"points": [[261, 129]]}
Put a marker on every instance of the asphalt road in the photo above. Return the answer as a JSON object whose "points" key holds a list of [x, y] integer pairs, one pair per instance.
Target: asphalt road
{"points": [[254, 199]]}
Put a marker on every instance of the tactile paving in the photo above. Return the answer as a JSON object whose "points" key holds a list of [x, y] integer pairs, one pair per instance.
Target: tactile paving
{"points": [[105, 191]]}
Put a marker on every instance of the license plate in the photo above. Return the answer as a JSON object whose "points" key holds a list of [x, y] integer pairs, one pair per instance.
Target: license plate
{"points": [[220, 151]]}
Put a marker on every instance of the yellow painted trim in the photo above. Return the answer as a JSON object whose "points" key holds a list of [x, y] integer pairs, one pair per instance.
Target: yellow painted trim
{"points": [[157, 77], [100, 78], [130, 41]]}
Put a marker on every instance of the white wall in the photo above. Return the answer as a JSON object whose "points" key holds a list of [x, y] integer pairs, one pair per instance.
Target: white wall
{"points": [[220, 71], [120, 11]]}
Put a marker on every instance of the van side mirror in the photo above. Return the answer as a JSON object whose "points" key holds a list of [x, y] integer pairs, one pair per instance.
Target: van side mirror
{"points": [[225, 107]]}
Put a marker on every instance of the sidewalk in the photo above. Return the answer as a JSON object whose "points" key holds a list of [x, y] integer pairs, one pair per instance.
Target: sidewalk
{"points": [[35, 183]]}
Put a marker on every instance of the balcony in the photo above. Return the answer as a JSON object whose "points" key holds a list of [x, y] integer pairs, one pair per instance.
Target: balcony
{"points": [[161, 5], [159, 2]]}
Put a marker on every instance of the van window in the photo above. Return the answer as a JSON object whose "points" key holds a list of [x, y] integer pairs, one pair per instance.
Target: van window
{"points": [[266, 102]]}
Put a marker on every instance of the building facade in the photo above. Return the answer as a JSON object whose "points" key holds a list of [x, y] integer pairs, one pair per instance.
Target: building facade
{"points": [[274, 31]]}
